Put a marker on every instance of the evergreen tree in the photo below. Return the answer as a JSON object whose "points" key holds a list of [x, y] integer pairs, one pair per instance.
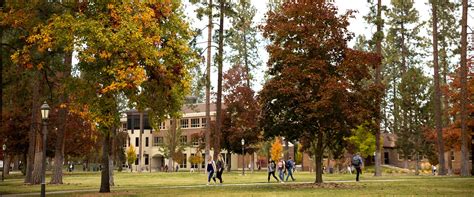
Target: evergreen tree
{"points": [[242, 38], [402, 51], [415, 100]]}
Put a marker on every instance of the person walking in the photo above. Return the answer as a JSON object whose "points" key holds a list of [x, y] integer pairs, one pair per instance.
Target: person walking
{"points": [[281, 170], [290, 165], [220, 168], [271, 170], [211, 168], [357, 163]]}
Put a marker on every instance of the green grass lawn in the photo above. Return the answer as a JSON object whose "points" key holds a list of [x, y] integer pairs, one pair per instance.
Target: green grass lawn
{"points": [[252, 184]]}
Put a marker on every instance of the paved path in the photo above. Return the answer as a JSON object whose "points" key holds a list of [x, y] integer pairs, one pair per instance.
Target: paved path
{"points": [[196, 186]]}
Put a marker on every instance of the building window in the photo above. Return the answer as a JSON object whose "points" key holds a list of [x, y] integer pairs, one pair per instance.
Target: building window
{"points": [[195, 123], [183, 139], [136, 160], [136, 122], [184, 123], [401, 156], [203, 164], [195, 140], [203, 122], [193, 165], [452, 155], [162, 125], [157, 141], [183, 163], [146, 142], [132, 131], [136, 142], [146, 158]]}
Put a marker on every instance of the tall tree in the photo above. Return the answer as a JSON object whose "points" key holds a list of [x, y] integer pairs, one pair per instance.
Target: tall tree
{"points": [[464, 93], [206, 9], [437, 91], [242, 38], [403, 44], [220, 66], [415, 100], [122, 54], [316, 91], [375, 17]]}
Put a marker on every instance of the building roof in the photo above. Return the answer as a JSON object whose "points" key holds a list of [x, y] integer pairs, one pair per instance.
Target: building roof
{"points": [[187, 108], [389, 140]]}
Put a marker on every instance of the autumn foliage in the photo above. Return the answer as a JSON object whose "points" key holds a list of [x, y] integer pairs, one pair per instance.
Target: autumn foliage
{"points": [[277, 149], [318, 89]]}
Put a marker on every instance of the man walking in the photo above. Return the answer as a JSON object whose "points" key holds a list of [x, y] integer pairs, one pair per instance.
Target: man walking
{"points": [[357, 163], [290, 165]]}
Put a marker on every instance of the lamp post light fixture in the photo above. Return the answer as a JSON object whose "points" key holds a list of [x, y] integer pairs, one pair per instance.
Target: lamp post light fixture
{"points": [[243, 156], [44, 116], [4, 147]]}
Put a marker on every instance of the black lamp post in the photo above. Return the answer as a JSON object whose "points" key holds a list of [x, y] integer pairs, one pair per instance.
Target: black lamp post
{"points": [[243, 156], [44, 115], [4, 147]]}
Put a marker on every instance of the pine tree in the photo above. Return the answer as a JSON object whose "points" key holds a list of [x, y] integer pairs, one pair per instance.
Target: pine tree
{"points": [[375, 17], [242, 39], [402, 47], [415, 100]]}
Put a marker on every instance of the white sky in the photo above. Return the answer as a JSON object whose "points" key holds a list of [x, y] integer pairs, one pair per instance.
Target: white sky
{"points": [[357, 25]]}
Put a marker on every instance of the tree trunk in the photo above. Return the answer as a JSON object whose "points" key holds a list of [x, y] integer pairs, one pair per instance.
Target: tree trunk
{"points": [[16, 162], [104, 181], [318, 150], [417, 164], [378, 72], [34, 126], [405, 163], [229, 161], [463, 110], [208, 85], [172, 144], [37, 171], [450, 162], [6, 164], [111, 171], [57, 177], [220, 62], [252, 161], [140, 145], [437, 97], [112, 156]]}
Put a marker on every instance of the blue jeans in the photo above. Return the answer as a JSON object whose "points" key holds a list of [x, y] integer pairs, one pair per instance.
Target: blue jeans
{"points": [[290, 173], [211, 175], [281, 174]]}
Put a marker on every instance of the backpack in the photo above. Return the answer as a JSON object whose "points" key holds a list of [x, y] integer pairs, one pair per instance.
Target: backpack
{"points": [[356, 160], [272, 164], [288, 164]]}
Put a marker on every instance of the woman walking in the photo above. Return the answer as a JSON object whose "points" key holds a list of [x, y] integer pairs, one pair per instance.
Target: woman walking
{"points": [[211, 168], [281, 170], [271, 170], [220, 168]]}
